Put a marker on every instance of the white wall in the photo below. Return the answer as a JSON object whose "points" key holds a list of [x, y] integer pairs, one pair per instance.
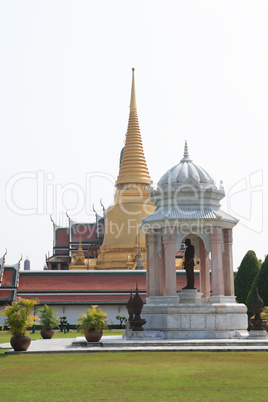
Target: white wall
{"points": [[72, 312]]}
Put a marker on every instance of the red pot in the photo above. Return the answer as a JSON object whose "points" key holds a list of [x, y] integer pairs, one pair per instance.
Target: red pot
{"points": [[20, 343], [93, 336], [47, 333]]}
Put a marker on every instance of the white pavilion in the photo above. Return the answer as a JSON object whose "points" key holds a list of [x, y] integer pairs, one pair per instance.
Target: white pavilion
{"points": [[187, 203]]}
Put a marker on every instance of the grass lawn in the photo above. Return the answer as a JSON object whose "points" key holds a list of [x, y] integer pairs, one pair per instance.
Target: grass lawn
{"points": [[140, 376]]}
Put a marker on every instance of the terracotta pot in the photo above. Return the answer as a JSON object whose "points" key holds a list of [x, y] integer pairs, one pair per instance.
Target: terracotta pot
{"points": [[93, 336], [47, 333], [20, 343]]}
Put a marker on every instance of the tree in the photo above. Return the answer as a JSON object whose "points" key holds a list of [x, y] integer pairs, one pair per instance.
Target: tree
{"points": [[261, 281], [246, 274]]}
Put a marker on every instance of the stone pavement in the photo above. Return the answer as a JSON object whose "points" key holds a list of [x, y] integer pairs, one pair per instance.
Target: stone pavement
{"points": [[118, 344]]}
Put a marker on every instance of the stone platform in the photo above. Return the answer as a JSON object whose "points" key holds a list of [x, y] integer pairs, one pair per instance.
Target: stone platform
{"points": [[118, 344], [189, 316]]}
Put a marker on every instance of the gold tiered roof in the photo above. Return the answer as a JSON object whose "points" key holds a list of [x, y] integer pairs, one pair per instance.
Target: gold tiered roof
{"points": [[133, 168]]}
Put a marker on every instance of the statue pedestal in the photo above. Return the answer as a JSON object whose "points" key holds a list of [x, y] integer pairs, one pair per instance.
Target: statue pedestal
{"points": [[190, 296], [193, 317]]}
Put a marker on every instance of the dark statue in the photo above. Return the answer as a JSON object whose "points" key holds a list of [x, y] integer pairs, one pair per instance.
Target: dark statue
{"points": [[134, 307], [257, 305], [189, 264]]}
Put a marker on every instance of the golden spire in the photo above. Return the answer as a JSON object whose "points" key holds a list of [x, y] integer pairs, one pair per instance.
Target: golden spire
{"points": [[133, 169], [80, 249], [79, 258], [133, 103]]}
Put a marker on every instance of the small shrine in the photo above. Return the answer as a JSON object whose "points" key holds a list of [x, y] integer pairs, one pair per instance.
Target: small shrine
{"points": [[187, 206], [79, 261]]}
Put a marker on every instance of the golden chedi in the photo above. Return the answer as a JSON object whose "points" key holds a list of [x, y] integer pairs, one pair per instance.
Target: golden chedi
{"points": [[78, 262], [120, 245]]}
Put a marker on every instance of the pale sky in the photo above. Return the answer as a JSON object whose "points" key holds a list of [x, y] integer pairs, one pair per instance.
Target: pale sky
{"points": [[65, 79]]}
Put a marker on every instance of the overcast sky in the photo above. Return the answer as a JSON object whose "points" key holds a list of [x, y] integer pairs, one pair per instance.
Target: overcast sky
{"points": [[65, 79]]}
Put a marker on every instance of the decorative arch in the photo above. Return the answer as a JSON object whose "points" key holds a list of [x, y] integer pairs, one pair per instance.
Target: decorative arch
{"points": [[205, 237]]}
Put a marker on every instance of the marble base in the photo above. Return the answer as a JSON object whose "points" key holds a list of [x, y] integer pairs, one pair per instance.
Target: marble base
{"points": [[196, 320], [144, 335], [160, 300], [223, 299], [190, 296], [262, 334]]}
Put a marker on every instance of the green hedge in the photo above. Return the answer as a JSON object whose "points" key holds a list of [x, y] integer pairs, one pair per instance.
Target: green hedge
{"points": [[246, 274], [261, 281]]}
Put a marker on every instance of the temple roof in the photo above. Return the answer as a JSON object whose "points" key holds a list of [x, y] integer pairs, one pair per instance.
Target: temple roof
{"points": [[190, 214], [133, 168], [82, 287]]}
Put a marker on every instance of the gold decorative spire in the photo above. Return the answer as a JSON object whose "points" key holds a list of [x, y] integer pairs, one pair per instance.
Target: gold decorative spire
{"points": [[133, 169], [79, 258], [133, 103]]}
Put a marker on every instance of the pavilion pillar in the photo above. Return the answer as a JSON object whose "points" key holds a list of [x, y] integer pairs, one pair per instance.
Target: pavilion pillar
{"points": [[161, 271], [58, 266], [147, 264], [216, 262], [169, 242], [204, 271], [155, 267], [152, 260], [228, 275]]}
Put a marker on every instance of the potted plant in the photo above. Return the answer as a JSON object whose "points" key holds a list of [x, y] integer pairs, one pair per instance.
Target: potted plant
{"points": [[92, 323], [49, 321], [122, 320], [19, 317]]}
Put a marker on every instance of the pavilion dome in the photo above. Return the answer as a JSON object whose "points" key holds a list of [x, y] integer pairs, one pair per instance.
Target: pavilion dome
{"points": [[186, 173]]}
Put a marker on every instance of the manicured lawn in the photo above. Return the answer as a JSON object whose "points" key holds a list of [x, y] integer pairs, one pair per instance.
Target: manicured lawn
{"points": [[140, 376]]}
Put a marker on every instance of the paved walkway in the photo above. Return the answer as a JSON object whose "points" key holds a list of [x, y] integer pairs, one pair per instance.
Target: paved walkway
{"points": [[118, 344]]}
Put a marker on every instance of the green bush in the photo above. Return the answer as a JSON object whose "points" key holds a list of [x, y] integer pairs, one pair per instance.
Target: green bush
{"points": [[20, 316], [94, 319], [261, 281], [48, 317], [264, 314], [246, 274]]}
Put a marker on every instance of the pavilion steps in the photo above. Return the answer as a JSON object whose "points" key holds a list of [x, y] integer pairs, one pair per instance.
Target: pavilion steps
{"points": [[109, 343]]}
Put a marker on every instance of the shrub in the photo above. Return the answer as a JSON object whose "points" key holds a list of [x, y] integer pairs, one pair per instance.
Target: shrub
{"points": [[122, 320], [264, 314], [20, 316], [93, 319], [48, 318], [261, 281], [246, 274]]}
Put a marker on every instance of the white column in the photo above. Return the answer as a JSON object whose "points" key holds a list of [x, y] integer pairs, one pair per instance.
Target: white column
{"points": [[216, 262], [204, 271], [169, 240], [228, 273], [150, 272], [161, 271]]}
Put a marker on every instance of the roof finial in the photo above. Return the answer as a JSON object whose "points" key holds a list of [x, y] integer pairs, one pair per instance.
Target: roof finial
{"points": [[186, 156], [133, 104], [186, 152]]}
